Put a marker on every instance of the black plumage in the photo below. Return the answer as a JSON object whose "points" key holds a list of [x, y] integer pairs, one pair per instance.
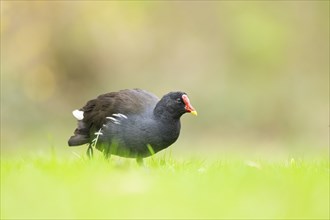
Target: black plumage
{"points": [[130, 123]]}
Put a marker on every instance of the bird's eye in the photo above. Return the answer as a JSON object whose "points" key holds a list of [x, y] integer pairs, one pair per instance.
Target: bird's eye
{"points": [[178, 100]]}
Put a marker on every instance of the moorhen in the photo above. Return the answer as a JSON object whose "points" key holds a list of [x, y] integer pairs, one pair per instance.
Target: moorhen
{"points": [[130, 123]]}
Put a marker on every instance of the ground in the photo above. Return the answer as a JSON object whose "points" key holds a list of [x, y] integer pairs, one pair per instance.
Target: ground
{"points": [[191, 188]]}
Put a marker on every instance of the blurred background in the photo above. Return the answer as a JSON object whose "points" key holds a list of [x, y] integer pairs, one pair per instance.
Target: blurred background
{"points": [[256, 71]]}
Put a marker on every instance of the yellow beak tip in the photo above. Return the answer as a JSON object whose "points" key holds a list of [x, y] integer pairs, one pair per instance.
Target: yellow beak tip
{"points": [[194, 113]]}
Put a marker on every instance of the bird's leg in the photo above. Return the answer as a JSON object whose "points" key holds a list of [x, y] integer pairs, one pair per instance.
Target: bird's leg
{"points": [[89, 151], [93, 144], [107, 156], [106, 152], [139, 161]]}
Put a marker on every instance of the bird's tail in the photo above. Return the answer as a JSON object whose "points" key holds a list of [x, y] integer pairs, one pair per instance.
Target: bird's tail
{"points": [[81, 135]]}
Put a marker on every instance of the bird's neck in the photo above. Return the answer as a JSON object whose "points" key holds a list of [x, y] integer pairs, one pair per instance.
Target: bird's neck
{"points": [[166, 114], [168, 134]]}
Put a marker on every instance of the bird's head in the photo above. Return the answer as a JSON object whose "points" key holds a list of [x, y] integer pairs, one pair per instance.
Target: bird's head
{"points": [[174, 104]]}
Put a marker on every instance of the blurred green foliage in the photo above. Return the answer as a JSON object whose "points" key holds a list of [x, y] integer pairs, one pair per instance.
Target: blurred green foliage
{"points": [[39, 188], [256, 71]]}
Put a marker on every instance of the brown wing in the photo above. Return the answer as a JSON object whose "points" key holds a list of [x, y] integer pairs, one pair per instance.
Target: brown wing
{"points": [[127, 102]]}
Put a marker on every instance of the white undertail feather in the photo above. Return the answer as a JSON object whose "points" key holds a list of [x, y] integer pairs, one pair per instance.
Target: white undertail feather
{"points": [[79, 115]]}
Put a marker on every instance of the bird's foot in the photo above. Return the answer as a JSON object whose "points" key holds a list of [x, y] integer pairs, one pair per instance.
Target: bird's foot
{"points": [[139, 161], [89, 152]]}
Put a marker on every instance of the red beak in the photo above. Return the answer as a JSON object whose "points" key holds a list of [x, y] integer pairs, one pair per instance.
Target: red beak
{"points": [[188, 106]]}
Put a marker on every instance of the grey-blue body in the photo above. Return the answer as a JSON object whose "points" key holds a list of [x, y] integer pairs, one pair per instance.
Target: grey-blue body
{"points": [[137, 136]]}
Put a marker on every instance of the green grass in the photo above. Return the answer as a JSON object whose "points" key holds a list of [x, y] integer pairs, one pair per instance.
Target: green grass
{"points": [[77, 188]]}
